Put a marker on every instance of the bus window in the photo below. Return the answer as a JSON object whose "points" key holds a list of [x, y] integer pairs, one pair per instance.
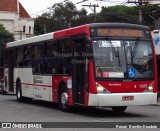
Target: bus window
{"points": [[59, 47], [51, 49], [29, 52], [68, 46], [63, 67], [28, 55], [60, 67], [38, 67], [20, 55], [49, 67], [66, 65], [39, 51]]}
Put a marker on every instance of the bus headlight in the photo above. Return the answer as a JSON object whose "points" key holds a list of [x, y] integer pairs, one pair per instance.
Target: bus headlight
{"points": [[150, 87], [101, 89]]}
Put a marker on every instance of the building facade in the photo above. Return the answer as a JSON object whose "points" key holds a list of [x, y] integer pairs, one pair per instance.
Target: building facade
{"points": [[15, 19]]}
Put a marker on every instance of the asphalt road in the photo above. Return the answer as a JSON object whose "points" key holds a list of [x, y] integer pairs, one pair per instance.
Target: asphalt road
{"points": [[39, 111]]}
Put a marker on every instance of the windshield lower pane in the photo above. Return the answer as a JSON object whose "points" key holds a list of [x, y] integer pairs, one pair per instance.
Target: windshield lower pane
{"points": [[123, 58]]}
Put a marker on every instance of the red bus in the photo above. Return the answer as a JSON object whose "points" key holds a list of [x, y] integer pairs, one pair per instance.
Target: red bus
{"points": [[100, 65]]}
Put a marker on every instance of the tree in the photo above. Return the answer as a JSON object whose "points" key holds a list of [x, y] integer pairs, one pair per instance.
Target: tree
{"points": [[65, 15], [119, 13], [61, 16], [40, 25], [151, 14], [5, 36]]}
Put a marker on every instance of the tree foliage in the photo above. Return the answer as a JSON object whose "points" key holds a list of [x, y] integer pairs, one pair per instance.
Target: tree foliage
{"points": [[5, 36], [119, 13], [62, 16], [149, 17], [65, 15]]}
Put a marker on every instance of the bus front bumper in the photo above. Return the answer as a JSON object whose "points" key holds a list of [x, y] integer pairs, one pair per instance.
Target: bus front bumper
{"points": [[117, 99]]}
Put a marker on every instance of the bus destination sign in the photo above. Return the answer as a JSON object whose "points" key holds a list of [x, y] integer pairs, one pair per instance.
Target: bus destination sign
{"points": [[112, 32]]}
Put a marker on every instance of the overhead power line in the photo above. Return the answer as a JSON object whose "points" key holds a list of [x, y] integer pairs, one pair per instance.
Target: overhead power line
{"points": [[81, 1]]}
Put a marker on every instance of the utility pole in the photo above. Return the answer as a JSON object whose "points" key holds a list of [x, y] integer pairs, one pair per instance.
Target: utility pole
{"points": [[93, 9], [139, 3], [90, 6], [20, 33]]}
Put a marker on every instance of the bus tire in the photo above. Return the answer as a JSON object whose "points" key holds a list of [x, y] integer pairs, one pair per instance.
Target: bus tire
{"points": [[119, 108], [19, 92], [63, 99]]}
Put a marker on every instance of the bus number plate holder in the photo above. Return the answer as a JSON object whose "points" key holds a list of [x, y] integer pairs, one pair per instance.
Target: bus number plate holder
{"points": [[128, 98]]}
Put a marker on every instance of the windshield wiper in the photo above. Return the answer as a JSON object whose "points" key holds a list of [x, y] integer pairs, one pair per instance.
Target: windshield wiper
{"points": [[116, 53], [113, 49], [134, 51]]}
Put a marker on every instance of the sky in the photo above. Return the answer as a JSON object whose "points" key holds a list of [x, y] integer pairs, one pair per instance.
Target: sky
{"points": [[35, 6]]}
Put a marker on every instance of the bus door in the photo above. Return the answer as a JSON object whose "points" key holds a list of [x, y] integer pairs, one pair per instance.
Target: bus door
{"points": [[78, 75], [10, 70]]}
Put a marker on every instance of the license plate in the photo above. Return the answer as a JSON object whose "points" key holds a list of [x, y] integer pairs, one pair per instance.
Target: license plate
{"points": [[128, 98]]}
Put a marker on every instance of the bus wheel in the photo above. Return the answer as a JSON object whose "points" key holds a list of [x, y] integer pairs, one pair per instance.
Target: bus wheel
{"points": [[19, 92], [119, 108], [63, 99]]}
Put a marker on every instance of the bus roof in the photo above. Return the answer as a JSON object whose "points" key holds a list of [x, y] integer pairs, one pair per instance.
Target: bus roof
{"points": [[34, 39], [114, 24], [70, 32], [49, 36]]}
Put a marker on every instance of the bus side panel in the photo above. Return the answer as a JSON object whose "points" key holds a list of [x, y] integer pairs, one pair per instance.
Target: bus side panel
{"points": [[34, 86], [92, 83], [42, 87], [26, 79], [56, 84], [68, 81]]}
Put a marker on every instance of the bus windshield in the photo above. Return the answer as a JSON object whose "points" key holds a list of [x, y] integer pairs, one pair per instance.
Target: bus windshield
{"points": [[121, 58]]}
